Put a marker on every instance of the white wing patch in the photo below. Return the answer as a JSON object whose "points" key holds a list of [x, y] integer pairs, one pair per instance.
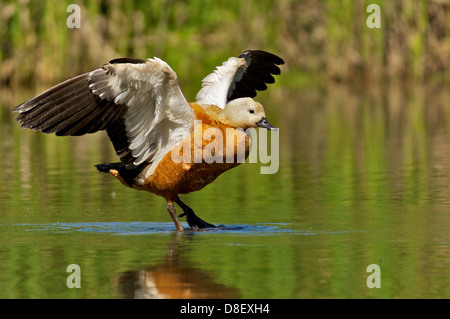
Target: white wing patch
{"points": [[158, 114], [218, 86]]}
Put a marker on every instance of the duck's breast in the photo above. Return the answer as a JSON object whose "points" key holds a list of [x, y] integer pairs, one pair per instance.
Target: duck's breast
{"points": [[198, 160]]}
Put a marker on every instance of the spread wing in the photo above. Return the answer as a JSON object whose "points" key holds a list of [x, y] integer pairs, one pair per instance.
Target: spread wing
{"points": [[239, 77], [137, 102]]}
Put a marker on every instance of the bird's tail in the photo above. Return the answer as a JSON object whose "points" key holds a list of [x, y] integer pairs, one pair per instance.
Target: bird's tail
{"points": [[126, 175], [105, 168]]}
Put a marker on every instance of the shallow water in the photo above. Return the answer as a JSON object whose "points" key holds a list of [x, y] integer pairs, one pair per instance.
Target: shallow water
{"points": [[363, 179]]}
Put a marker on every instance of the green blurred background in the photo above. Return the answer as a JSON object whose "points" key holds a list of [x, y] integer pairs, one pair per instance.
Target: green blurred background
{"points": [[322, 40]]}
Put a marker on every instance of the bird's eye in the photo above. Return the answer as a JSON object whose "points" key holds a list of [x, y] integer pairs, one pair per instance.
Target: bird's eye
{"points": [[252, 111]]}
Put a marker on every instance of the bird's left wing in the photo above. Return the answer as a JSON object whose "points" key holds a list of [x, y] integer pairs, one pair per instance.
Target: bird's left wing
{"points": [[239, 77]]}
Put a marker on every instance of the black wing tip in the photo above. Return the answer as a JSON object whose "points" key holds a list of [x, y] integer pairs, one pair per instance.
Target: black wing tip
{"points": [[275, 59], [260, 66], [17, 109], [126, 60]]}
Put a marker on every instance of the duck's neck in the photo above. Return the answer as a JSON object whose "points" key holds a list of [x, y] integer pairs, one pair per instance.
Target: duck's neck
{"points": [[211, 115]]}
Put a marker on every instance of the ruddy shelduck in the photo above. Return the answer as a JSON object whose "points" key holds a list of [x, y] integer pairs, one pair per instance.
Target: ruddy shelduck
{"points": [[153, 128]]}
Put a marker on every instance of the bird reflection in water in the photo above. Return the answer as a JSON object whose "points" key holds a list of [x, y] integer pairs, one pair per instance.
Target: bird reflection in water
{"points": [[172, 280]]}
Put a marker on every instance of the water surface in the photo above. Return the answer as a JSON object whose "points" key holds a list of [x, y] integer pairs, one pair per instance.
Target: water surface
{"points": [[363, 179]]}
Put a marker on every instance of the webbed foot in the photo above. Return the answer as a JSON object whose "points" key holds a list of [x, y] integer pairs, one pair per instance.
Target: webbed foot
{"points": [[193, 220]]}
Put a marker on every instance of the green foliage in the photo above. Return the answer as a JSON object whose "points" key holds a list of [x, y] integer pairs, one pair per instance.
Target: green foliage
{"points": [[327, 39]]}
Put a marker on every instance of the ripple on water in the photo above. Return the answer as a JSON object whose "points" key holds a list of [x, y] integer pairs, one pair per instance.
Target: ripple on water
{"points": [[145, 228]]}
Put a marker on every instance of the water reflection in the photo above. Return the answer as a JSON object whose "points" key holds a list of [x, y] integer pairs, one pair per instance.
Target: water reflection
{"points": [[393, 140], [173, 279]]}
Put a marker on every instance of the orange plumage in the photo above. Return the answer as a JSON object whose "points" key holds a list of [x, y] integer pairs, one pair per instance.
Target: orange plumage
{"points": [[171, 179]]}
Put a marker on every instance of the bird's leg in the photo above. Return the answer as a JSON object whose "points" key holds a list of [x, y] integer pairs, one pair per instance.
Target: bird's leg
{"points": [[173, 214], [193, 220]]}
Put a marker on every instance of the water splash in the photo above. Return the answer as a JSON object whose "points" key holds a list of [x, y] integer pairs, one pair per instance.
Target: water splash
{"points": [[147, 228]]}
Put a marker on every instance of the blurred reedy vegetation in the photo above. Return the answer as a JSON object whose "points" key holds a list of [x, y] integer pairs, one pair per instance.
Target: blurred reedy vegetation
{"points": [[320, 40]]}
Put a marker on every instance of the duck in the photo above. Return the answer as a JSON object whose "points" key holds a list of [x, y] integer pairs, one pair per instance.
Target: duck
{"points": [[166, 145]]}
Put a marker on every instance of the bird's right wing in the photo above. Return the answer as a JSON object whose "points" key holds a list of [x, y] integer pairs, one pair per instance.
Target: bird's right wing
{"points": [[138, 102]]}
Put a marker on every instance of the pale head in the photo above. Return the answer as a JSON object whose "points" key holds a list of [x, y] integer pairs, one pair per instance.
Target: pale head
{"points": [[245, 113]]}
